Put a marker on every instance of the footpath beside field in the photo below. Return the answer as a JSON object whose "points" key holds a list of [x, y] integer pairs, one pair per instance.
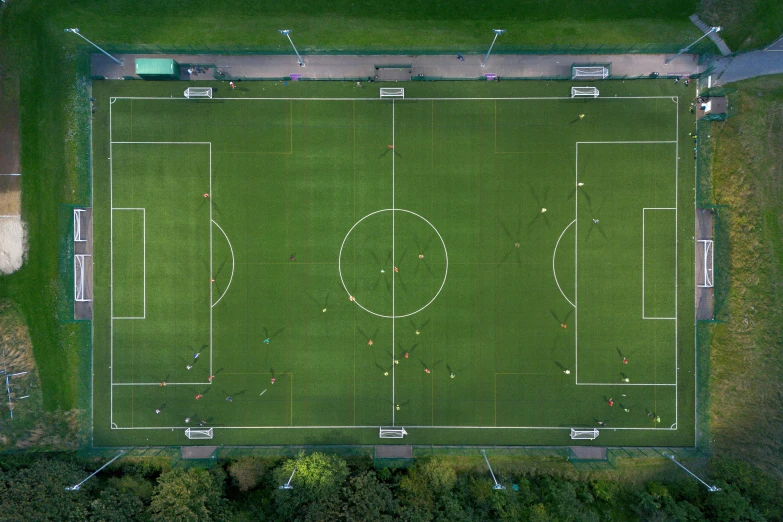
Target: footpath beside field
{"points": [[401, 67]]}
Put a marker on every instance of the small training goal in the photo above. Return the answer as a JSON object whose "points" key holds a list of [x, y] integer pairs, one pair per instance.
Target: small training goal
{"points": [[79, 235], [193, 433], [198, 92], [392, 92], [589, 72], [705, 269], [584, 92], [79, 287], [584, 434], [392, 433]]}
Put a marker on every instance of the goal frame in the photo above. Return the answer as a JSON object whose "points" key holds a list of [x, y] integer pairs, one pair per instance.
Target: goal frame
{"points": [[591, 434], [392, 92], [708, 258], [78, 278], [584, 92], [392, 433], [198, 92], [590, 72], [195, 433], [77, 225]]}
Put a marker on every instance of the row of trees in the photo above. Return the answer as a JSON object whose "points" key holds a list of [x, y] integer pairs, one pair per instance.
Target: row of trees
{"points": [[327, 487]]}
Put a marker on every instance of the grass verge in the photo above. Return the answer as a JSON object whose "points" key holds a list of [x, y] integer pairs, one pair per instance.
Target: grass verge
{"points": [[746, 358]]}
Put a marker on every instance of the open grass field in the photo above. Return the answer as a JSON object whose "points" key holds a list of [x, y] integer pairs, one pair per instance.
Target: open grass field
{"points": [[428, 212]]}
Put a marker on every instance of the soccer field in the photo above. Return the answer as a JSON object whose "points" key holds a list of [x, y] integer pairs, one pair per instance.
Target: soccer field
{"points": [[478, 263]]}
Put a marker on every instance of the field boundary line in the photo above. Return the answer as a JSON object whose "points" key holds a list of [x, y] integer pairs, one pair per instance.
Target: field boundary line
{"points": [[394, 262], [411, 99], [375, 427]]}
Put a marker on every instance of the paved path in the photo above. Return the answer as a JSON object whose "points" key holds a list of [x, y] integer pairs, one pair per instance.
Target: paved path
{"points": [[749, 65], [349, 67]]}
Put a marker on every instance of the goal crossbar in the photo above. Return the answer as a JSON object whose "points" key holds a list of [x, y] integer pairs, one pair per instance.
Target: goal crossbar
{"points": [[193, 433], [584, 434], [392, 92], [198, 92], [392, 433], [584, 92]]}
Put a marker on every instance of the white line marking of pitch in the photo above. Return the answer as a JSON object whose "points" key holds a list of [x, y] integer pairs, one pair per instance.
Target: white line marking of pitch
{"points": [[232, 264]]}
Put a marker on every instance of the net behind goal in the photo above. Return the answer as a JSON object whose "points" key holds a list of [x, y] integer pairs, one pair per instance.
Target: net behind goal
{"points": [[392, 92], [584, 92], [198, 92], [392, 433], [584, 434], [589, 72], [193, 433]]}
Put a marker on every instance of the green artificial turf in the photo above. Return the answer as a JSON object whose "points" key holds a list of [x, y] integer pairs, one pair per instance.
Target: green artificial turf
{"points": [[310, 206]]}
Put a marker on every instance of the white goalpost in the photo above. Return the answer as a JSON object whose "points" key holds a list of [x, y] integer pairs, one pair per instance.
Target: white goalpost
{"points": [[707, 247], [198, 92], [598, 72], [584, 434], [392, 92], [193, 433], [77, 224], [78, 278], [392, 433], [584, 92]]}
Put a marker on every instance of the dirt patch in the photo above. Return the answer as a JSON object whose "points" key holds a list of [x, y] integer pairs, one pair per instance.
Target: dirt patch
{"points": [[12, 244], [10, 195]]}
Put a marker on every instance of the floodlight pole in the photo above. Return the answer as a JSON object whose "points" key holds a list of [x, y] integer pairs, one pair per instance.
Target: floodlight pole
{"points": [[497, 485], [287, 32], [288, 485], [711, 489], [76, 32], [79, 485], [497, 32], [712, 29]]}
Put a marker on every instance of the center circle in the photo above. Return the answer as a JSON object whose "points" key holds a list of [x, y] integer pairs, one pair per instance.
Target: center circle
{"points": [[393, 263]]}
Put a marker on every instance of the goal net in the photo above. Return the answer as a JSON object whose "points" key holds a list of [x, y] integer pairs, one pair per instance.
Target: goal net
{"points": [[192, 433], [78, 233], [705, 279], [582, 72], [198, 92], [584, 434], [392, 92], [78, 278], [584, 92], [392, 433]]}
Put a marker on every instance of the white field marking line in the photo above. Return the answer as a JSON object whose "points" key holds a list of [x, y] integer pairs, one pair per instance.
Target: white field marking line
{"points": [[210, 259], [625, 384], [111, 269], [394, 261], [162, 143], [375, 427], [158, 384], [9, 174], [339, 262], [144, 263], [232, 264], [414, 99], [676, 259], [11, 216], [576, 250], [644, 316], [554, 273]]}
